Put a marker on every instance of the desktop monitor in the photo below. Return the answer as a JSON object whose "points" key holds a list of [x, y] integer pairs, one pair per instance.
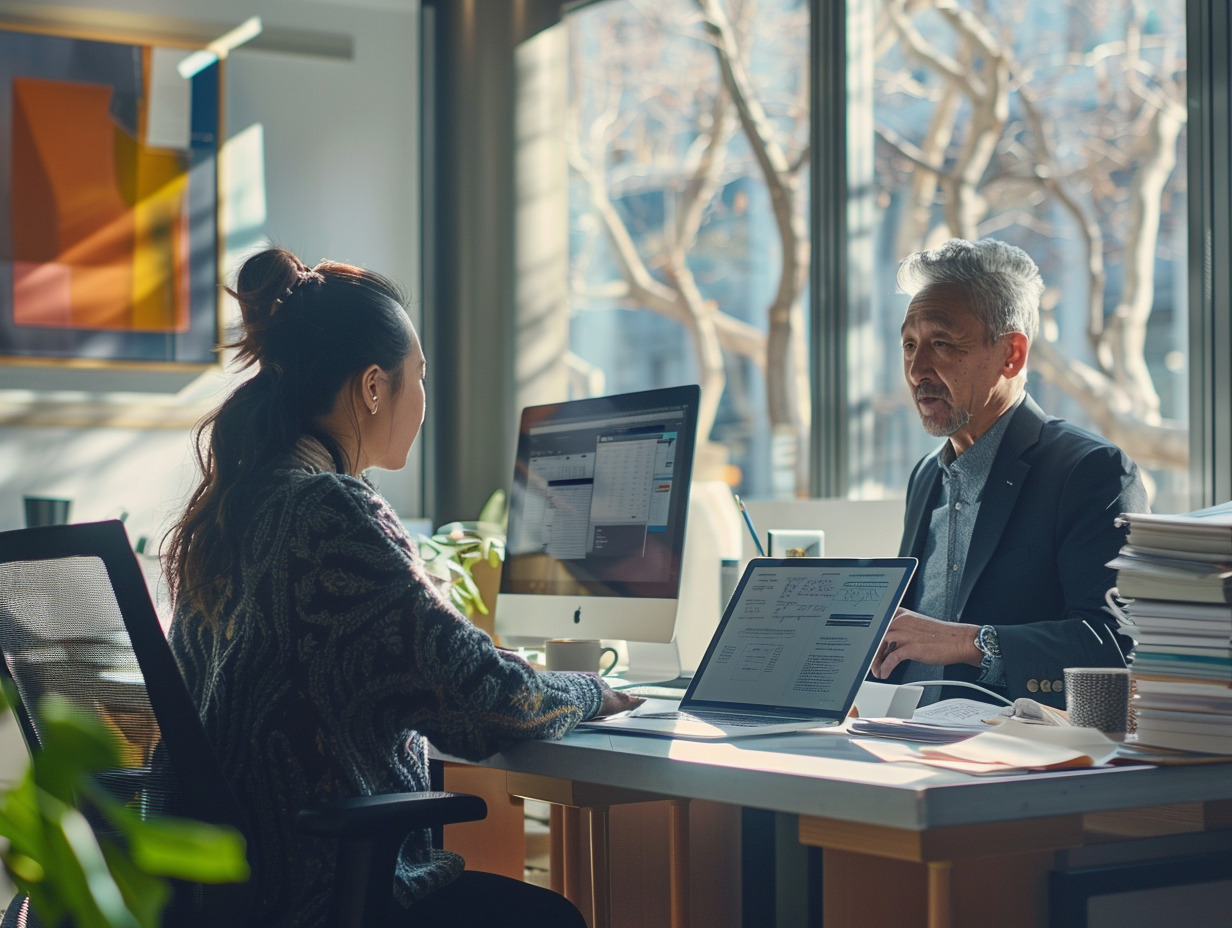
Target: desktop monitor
{"points": [[597, 518]]}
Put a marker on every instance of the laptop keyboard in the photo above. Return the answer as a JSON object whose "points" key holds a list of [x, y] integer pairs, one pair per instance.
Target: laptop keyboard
{"points": [[726, 719]]}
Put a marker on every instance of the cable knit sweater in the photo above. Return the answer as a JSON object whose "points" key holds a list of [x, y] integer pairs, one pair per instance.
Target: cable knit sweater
{"points": [[335, 661]]}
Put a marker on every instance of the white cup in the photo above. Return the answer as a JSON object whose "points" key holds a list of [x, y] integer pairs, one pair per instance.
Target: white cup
{"points": [[578, 654]]}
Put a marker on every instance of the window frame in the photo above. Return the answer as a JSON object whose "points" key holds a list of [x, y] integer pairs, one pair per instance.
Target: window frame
{"points": [[1208, 40]]}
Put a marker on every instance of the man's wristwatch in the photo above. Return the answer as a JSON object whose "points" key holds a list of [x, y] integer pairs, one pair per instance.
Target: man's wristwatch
{"points": [[987, 643]]}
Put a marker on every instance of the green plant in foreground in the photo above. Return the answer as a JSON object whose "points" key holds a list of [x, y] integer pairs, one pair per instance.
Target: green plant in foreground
{"points": [[454, 549], [77, 877]]}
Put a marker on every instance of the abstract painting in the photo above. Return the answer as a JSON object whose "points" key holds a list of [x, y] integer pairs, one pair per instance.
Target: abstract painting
{"points": [[108, 204]]}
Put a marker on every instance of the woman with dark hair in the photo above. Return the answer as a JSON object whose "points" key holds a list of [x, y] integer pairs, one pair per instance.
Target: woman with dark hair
{"points": [[320, 655]]}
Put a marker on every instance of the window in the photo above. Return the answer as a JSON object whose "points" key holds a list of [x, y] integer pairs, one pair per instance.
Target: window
{"points": [[1059, 127], [689, 247], [1056, 125]]}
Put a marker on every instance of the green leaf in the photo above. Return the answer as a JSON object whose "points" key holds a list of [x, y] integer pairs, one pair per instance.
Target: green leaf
{"points": [[494, 551], [423, 541], [496, 509], [146, 896], [19, 813], [75, 744], [24, 869], [83, 879], [186, 849], [468, 584]]}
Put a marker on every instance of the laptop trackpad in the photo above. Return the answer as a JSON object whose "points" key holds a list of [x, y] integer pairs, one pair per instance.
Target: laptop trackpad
{"points": [[656, 705]]}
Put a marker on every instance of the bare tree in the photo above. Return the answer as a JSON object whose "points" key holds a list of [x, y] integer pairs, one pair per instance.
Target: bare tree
{"points": [[989, 172], [712, 98], [675, 109]]}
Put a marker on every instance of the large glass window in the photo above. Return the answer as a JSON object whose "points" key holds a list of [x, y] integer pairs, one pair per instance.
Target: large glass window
{"points": [[1057, 125], [689, 247]]}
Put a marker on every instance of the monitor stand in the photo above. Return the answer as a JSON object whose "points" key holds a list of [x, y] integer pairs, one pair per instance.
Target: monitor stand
{"points": [[653, 662]]}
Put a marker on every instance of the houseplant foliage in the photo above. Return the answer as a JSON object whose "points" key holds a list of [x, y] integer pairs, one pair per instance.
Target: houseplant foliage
{"points": [[77, 877], [454, 550]]}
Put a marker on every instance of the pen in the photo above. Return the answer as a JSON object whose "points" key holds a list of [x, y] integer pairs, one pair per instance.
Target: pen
{"points": [[749, 522]]}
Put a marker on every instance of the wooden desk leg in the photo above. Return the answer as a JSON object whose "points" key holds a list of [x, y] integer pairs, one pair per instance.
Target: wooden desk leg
{"points": [[571, 854], [678, 850], [556, 849], [939, 894], [600, 887]]}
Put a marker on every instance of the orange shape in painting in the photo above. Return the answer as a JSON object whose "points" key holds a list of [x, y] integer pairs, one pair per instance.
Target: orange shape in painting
{"points": [[99, 221]]}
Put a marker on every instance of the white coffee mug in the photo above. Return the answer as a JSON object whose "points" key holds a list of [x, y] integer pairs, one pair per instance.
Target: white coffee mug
{"points": [[578, 654]]}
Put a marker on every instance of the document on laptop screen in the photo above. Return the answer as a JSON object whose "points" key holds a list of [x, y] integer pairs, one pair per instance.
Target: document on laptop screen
{"points": [[800, 636]]}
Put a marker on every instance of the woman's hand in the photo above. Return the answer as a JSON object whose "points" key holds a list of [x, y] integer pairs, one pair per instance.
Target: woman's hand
{"points": [[615, 700], [915, 637]]}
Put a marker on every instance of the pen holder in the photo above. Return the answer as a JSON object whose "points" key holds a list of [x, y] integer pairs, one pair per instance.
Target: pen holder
{"points": [[46, 510], [1098, 697], [784, 542]]}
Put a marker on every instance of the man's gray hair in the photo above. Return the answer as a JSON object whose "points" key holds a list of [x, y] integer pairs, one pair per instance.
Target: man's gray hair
{"points": [[1002, 283]]}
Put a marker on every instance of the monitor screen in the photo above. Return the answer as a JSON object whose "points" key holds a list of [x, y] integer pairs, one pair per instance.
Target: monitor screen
{"points": [[597, 518]]}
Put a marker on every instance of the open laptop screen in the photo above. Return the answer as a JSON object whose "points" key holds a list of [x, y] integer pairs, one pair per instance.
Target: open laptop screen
{"points": [[800, 633]]}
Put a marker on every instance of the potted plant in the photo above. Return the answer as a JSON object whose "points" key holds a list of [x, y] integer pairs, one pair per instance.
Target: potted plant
{"points": [[467, 558]]}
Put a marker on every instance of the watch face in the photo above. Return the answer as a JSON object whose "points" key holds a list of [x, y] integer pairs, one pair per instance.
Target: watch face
{"points": [[986, 641]]}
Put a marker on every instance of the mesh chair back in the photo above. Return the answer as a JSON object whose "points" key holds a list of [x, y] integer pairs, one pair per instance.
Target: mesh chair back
{"points": [[76, 620]]}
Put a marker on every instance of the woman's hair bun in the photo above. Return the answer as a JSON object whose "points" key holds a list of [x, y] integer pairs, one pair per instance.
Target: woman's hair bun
{"points": [[265, 282]]}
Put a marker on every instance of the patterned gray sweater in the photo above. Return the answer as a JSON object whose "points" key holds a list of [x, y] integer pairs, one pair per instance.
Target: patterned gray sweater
{"points": [[336, 660]]}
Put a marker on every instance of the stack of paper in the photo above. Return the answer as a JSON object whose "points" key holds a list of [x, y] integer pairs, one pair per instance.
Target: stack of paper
{"points": [[1011, 747], [1177, 572]]}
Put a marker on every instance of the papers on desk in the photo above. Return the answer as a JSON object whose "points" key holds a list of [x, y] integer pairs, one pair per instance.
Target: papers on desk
{"points": [[1011, 747], [940, 723], [907, 730], [975, 737], [952, 720]]}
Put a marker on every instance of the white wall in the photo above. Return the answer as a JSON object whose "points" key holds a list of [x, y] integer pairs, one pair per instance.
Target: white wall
{"points": [[333, 145]]}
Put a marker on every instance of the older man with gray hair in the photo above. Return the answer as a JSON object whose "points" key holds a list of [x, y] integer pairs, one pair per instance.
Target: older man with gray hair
{"points": [[1013, 517]]}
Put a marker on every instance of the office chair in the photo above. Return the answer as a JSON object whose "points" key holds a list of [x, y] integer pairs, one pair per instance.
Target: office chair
{"points": [[76, 619]]}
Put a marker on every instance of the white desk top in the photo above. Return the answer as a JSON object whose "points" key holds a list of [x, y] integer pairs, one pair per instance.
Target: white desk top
{"points": [[823, 774]]}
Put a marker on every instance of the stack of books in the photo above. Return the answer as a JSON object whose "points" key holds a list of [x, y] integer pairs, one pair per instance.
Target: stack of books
{"points": [[1176, 572]]}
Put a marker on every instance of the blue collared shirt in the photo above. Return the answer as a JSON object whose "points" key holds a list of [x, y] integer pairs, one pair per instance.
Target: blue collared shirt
{"points": [[949, 538]]}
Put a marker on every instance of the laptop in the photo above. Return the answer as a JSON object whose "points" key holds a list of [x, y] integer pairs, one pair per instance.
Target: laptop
{"points": [[793, 646]]}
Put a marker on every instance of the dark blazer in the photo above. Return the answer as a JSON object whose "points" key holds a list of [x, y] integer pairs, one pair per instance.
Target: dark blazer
{"points": [[1036, 567]]}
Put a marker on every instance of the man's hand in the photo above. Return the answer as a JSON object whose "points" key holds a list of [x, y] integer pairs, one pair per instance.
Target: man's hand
{"points": [[915, 637], [616, 700]]}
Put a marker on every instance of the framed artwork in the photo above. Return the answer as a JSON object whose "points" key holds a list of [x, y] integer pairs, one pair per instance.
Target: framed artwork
{"points": [[109, 236]]}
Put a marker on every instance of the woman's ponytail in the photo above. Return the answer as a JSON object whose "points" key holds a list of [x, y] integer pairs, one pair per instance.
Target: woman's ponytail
{"points": [[307, 331]]}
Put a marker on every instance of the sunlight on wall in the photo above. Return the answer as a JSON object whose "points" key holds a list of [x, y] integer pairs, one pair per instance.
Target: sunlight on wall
{"points": [[144, 472], [243, 209]]}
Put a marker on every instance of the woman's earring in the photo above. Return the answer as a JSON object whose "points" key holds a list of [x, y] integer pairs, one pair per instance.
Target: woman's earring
{"points": [[374, 404]]}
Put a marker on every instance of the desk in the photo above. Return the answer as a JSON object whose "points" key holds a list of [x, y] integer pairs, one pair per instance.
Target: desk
{"points": [[946, 845]]}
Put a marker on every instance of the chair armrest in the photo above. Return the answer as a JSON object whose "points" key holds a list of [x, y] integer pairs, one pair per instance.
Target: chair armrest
{"points": [[360, 816]]}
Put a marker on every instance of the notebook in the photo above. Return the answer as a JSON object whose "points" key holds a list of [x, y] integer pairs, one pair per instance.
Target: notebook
{"points": [[793, 646]]}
